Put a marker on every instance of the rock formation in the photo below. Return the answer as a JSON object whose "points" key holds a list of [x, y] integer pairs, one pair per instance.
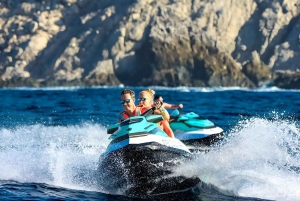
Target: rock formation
{"points": [[203, 43]]}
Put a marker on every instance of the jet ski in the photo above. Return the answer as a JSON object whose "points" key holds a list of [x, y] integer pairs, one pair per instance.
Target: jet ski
{"points": [[140, 158], [194, 131]]}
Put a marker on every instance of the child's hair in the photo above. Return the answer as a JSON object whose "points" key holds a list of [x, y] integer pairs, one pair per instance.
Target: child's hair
{"points": [[157, 96]]}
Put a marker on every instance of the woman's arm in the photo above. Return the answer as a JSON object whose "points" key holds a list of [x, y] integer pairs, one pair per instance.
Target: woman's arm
{"points": [[171, 106]]}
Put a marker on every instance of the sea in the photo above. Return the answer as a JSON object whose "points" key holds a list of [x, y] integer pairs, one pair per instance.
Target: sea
{"points": [[51, 140]]}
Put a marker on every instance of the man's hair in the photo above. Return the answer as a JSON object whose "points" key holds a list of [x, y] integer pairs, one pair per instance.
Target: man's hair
{"points": [[128, 91]]}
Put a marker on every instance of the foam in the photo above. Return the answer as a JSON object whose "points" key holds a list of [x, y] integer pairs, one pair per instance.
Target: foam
{"points": [[257, 159], [61, 156]]}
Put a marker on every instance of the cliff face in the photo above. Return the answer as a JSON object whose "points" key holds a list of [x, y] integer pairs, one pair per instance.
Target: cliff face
{"points": [[149, 42]]}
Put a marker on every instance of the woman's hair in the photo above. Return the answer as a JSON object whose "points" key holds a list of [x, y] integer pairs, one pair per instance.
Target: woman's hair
{"points": [[157, 96], [128, 91], [149, 91]]}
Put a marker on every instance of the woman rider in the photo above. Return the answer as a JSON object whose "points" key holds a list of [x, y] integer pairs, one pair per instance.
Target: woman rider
{"points": [[146, 100]]}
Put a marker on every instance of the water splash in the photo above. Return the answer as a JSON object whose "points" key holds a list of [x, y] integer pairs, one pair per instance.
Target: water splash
{"points": [[60, 156], [259, 158]]}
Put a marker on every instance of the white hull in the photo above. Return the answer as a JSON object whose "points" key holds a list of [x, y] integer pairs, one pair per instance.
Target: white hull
{"points": [[198, 134], [142, 139]]}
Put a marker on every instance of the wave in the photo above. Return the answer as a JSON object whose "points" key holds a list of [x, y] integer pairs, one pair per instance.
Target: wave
{"points": [[60, 156], [179, 88], [61, 88], [259, 158]]}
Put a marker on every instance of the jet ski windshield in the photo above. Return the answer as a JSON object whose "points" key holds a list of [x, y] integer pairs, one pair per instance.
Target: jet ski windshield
{"points": [[131, 121], [175, 113]]}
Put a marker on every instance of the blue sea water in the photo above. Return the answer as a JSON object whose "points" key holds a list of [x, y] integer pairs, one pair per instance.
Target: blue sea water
{"points": [[51, 140]]}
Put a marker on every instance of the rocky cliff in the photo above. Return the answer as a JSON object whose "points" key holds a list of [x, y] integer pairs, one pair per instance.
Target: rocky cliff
{"points": [[247, 43]]}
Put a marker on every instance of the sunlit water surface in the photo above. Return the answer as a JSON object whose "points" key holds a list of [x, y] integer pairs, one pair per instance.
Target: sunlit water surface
{"points": [[51, 140]]}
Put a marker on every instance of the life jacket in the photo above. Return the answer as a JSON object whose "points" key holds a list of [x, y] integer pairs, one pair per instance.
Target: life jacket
{"points": [[138, 111]]}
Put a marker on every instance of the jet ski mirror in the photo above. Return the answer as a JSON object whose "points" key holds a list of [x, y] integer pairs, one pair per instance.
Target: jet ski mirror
{"points": [[111, 129], [175, 113]]}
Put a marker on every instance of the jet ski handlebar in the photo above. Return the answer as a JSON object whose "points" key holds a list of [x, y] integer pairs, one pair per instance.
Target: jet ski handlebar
{"points": [[111, 129], [149, 112]]}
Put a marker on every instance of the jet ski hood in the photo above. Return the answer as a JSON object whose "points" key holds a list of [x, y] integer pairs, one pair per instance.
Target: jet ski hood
{"points": [[143, 132]]}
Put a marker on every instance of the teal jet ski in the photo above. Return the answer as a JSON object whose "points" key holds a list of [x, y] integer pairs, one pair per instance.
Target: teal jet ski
{"points": [[140, 158], [193, 130]]}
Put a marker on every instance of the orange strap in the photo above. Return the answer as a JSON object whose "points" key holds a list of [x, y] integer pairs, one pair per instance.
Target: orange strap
{"points": [[138, 110]]}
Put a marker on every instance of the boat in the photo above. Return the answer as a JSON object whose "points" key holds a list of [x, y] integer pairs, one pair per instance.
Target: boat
{"points": [[195, 131], [140, 158]]}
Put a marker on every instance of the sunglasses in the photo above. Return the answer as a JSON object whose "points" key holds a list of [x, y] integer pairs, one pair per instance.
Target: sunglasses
{"points": [[124, 101], [142, 99]]}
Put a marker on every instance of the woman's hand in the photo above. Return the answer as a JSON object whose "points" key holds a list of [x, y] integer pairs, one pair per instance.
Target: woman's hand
{"points": [[158, 105]]}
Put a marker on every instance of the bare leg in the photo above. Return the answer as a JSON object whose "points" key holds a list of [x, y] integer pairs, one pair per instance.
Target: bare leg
{"points": [[167, 128]]}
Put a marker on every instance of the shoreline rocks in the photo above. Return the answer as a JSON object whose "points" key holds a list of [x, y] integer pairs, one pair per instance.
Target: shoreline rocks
{"points": [[149, 42]]}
